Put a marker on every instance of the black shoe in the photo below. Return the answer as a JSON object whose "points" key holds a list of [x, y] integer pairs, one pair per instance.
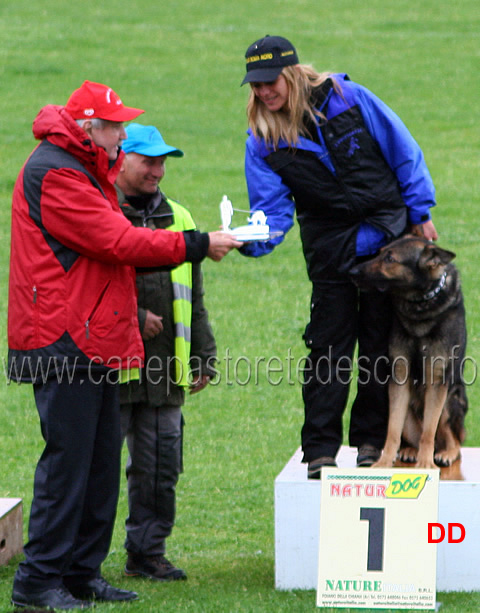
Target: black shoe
{"points": [[153, 567], [99, 589], [54, 598], [315, 467], [367, 455]]}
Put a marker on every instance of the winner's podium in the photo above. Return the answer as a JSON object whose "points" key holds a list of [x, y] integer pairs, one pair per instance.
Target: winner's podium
{"points": [[297, 523]]}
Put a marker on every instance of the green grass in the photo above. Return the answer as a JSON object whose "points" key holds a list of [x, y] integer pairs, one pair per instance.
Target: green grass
{"points": [[183, 62]]}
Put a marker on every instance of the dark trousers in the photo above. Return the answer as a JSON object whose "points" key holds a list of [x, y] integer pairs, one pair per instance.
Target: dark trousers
{"points": [[154, 439], [76, 483], [341, 316]]}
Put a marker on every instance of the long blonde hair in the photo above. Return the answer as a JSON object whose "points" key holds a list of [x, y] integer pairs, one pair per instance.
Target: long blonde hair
{"points": [[288, 123]]}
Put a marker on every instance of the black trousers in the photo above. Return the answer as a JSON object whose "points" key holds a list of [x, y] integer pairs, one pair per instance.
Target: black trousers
{"points": [[340, 317], [76, 482], [154, 439]]}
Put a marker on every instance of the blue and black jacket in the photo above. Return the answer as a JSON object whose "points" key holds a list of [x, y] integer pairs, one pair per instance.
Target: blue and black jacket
{"points": [[355, 184]]}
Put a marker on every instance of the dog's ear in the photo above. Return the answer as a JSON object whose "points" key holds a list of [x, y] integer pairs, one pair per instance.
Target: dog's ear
{"points": [[433, 256]]}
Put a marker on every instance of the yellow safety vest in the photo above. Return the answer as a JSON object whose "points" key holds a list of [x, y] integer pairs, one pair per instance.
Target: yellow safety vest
{"points": [[182, 299], [182, 305]]}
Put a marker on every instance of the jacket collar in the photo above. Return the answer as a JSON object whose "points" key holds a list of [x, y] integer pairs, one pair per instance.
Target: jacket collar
{"points": [[58, 127], [158, 205]]}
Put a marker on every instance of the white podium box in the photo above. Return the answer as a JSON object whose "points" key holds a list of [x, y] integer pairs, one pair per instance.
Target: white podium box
{"points": [[297, 523]]}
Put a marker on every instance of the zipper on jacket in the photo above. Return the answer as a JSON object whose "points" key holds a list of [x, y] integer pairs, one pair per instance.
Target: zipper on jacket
{"points": [[97, 303], [35, 315]]}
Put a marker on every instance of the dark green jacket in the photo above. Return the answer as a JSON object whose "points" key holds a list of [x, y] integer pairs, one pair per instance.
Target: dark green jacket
{"points": [[157, 385]]}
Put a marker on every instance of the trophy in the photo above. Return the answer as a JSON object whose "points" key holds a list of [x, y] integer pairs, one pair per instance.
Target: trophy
{"points": [[256, 229]]}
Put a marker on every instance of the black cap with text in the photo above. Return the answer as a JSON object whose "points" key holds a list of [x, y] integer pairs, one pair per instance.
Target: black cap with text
{"points": [[267, 57]]}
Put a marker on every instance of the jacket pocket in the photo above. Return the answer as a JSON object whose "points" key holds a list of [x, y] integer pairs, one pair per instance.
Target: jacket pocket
{"points": [[104, 313]]}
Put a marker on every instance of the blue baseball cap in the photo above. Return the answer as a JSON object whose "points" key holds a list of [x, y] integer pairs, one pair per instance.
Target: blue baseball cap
{"points": [[148, 141]]}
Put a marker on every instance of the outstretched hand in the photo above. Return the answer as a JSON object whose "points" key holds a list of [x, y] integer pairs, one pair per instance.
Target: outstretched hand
{"points": [[221, 243]]}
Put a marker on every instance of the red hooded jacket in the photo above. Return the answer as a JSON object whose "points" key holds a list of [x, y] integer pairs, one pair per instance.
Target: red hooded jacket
{"points": [[72, 296]]}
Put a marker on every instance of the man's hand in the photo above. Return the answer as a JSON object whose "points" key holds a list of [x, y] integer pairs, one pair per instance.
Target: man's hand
{"points": [[153, 326], [220, 244], [199, 383], [425, 230]]}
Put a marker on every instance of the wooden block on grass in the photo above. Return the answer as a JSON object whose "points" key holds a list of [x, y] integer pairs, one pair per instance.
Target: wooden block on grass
{"points": [[11, 528]]}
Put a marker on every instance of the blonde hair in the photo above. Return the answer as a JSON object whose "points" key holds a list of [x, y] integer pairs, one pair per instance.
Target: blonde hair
{"points": [[289, 123]]}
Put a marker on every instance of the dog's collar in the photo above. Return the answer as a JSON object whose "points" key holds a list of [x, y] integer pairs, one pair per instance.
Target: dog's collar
{"points": [[435, 291]]}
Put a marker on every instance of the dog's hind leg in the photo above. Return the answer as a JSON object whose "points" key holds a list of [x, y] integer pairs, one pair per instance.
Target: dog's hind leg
{"points": [[450, 450], [435, 398]]}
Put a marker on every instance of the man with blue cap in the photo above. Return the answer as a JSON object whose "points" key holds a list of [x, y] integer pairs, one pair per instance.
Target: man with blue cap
{"points": [[179, 355]]}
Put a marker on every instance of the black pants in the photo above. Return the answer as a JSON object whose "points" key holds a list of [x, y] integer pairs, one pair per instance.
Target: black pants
{"points": [[154, 439], [341, 316], [76, 483]]}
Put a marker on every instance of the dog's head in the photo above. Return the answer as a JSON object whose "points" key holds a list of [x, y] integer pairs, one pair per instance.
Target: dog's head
{"points": [[409, 262]]}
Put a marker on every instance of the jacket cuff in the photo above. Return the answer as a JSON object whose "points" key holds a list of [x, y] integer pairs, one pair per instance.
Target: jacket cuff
{"points": [[206, 367], [196, 245], [418, 218]]}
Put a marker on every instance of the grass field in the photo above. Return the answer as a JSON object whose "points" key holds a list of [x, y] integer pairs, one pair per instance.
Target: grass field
{"points": [[183, 62]]}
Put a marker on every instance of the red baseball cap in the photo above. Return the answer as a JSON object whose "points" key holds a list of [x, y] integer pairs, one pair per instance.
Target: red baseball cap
{"points": [[98, 100]]}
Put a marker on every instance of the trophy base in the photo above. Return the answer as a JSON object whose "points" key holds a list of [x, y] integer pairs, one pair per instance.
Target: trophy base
{"points": [[248, 234]]}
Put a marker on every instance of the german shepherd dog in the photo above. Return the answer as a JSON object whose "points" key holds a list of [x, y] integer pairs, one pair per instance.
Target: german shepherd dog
{"points": [[427, 398]]}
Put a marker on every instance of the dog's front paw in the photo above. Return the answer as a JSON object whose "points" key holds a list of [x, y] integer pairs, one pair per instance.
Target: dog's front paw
{"points": [[408, 455], [425, 461], [383, 462]]}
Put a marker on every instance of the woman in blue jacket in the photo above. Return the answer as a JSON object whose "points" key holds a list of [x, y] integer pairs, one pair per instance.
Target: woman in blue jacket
{"points": [[327, 149]]}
